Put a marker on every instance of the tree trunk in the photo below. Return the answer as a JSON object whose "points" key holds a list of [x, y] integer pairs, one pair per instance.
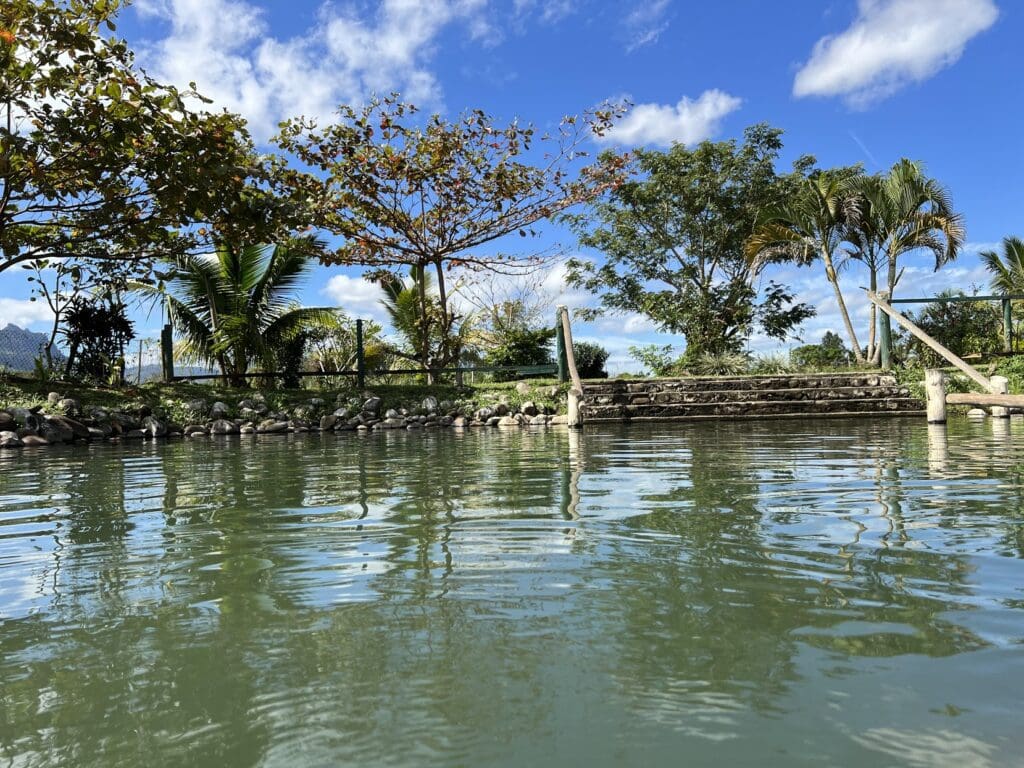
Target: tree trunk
{"points": [[830, 273], [873, 323], [419, 277], [446, 319]]}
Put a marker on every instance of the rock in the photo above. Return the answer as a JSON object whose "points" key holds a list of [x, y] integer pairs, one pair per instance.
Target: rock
{"points": [[69, 428], [508, 421], [529, 408], [343, 413], [429, 404], [196, 407], [476, 423], [445, 421], [219, 410], [34, 441], [523, 387], [317, 402], [144, 411], [24, 432], [272, 427], [9, 440], [395, 422], [484, 414], [223, 427], [539, 421], [328, 422], [414, 425], [303, 413], [460, 421], [53, 398], [23, 417], [153, 427], [976, 413], [391, 413], [493, 421], [501, 409], [174, 429], [372, 405], [134, 434], [98, 433], [7, 422], [247, 429], [196, 433]]}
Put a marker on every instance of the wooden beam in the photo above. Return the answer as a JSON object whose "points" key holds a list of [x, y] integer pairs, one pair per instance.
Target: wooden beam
{"points": [[973, 398], [898, 316], [954, 299]]}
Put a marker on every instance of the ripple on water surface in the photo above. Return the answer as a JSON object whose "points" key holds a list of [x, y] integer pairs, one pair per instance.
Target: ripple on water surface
{"points": [[786, 592]]}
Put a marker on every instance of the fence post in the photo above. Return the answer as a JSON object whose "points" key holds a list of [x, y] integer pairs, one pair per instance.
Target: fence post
{"points": [[1000, 386], [1007, 326], [935, 390], [167, 352], [560, 354], [360, 357], [885, 333]]}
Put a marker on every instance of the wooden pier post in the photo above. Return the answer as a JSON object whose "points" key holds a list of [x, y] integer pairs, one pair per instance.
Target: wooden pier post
{"points": [[1000, 386], [935, 391]]}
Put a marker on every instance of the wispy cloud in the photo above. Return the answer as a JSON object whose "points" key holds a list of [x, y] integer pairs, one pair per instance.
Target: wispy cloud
{"points": [[890, 44], [645, 23]]}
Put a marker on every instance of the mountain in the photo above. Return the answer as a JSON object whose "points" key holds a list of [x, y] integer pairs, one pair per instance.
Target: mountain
{"points": [[19, 349]]}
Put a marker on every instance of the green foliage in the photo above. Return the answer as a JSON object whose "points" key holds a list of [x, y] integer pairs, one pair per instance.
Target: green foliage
{"points": [[521, 346], [724, 364], [237, 308], [673, 242], [656, 360], [590, 359], [1007, 267], [831, 352], [1013, 369], [98, 160], [97, 333], [770, 365], [966, 328]]}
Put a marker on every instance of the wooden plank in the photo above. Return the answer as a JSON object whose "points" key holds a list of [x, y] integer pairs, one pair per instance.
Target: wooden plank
{"points": [[954, 299], [974, 398], [898, 316]]}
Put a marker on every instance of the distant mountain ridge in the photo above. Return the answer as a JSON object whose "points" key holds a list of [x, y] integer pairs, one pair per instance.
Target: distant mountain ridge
{"points": [[19, 348]]}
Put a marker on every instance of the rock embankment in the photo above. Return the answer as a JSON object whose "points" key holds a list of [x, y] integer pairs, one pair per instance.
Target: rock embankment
{"points": [[63, 420]]}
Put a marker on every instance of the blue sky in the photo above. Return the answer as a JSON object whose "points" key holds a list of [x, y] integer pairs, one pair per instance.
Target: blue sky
{"points": [[848, 80]]}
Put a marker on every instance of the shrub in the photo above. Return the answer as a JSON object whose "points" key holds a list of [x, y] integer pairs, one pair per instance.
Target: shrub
{"points": [[97, 335], [830, 353], [590, 359], [521, 346], [658, 361], [724, 364], [771, 364]]}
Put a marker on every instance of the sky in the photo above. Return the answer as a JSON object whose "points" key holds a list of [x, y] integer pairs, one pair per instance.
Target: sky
{"points": [[868, 81]]}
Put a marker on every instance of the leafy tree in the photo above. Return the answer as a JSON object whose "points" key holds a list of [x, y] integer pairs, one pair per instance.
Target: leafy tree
{"points": [[521, 346], [97, 332], [590, 359], [430, 194], [236, 308], [99, 161], [896, 213], [1007, 268], [673, 242], [965, 328], [657, 360], [829, 353], [808, 226]]}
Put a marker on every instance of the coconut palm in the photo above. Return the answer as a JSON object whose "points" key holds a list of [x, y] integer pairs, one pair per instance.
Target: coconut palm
{"points": [[898, 212], [810, 226], [1007, 268], [236, 308]]}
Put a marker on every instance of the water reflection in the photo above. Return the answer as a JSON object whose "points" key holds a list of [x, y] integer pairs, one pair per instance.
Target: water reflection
{"points": [[507, 596]]}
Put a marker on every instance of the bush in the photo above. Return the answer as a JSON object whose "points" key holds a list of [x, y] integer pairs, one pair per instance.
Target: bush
{"points": [[657, 361], [724, 364], [590, 359], [965, 328], [521, 346], [770, 365], [97, 335], [830, 353]]}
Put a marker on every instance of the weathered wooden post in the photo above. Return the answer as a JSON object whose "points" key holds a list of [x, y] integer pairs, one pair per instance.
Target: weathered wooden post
{"points": [[935, 391], [1000, 386], [167, 352], [938, 449], [1007, 326], [560, 355], [573, 412], [360, 357]]}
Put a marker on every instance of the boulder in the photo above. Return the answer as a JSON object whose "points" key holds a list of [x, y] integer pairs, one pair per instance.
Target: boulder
{"points": [[328, 423], [395, 422], [539, 421], [523, 387], [197, 407], [501, 409], [53, 398], [7, 422], [429, 404], [414, 425], [976, 413], [508, 421], [98, 433], [272, 427], [66, 425], [34, 441], [559, 420], [70, 406], [133, 434], [9, 440], [460, 421], [219, 410], [23, 417], [391, 413], [372, 405], [529, 408], [247, 429], [223, 427], [483, 414]]}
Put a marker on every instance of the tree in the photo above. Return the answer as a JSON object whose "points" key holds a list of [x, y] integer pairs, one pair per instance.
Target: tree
{"points": [[830, 353], [97, 331], [236, 308], [97, 160], [896, 213], [810, 225], [1007, 268], [673, 242], [965, 328], [590, 359], [430, 195]]}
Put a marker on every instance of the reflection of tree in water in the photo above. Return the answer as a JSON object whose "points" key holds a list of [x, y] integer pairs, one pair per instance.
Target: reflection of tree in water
{"points": [[713, 620]]}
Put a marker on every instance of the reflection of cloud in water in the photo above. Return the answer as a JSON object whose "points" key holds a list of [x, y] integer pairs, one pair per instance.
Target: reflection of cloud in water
{"points": [[938, 748]]}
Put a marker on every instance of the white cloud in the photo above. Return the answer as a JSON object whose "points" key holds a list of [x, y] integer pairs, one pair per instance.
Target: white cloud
{"points": [[688, 122], [356, 296], [344, 59], [892, 43], [645, 23], [24, 313]]}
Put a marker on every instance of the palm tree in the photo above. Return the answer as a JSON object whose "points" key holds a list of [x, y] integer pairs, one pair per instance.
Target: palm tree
{"points": [[1007, 268], [809, 227], [236, 307], [898, 212]]}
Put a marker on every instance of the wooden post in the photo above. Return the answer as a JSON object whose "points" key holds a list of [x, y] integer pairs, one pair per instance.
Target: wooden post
{"points": [[1007, 326], [938, 449], [1000, 386], [167, 352], [560, 356], [935, 389], [360, 357], [885, 335]]}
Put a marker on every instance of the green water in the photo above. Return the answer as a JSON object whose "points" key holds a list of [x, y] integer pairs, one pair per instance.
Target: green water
{"points": [[839, 593]]}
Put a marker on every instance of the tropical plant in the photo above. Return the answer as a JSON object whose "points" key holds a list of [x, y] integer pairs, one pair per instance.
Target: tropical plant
{"points": [[590, 359], [829, 353], [963, 327], [896, 213], [656, 360], [236, 308], [770, 365], [521, 346], [810, 226], [673, 242], [724, 364], [1007, 268], [97, 331]]}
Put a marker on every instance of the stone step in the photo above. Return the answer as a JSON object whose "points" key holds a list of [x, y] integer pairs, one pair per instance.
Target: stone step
{"points": [[744, 383], [737, 395], [753, 409]]}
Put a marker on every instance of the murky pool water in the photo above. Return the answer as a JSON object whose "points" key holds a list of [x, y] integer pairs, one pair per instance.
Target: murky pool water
{"points": [[845, 593]]}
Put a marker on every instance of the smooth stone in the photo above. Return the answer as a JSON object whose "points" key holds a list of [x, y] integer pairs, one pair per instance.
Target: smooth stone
{"points": [[53, 398], [10, 440], [219, 410], [153, 427], [328, 422], [529, 408], [133, 434], [272, 427], [69, 405], [247, 429], [561, 420], [372, 405], [7, 421], [508, 421], [223, 427], [976, 413], [501, 409], [66, 425], [196, 433], [391, 413], [414, 425], [429, 404], [523, 388], [539, 421], [460, 421], [34, 441]]}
